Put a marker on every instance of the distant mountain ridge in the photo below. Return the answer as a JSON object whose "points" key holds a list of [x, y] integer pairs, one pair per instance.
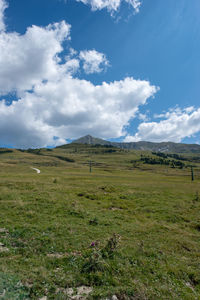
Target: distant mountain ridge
{"points": [[150, 146]]}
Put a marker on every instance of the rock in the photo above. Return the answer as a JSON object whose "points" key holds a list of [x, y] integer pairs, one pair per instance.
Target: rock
{"points": [[84, 290], [114, 297], [56, 255], [3, 294], [3, 248], [69, 291], [79, 293], [189, 285], [3, 230]]}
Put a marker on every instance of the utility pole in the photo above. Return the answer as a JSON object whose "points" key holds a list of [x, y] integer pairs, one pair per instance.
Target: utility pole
{"points": [[192, 174]]}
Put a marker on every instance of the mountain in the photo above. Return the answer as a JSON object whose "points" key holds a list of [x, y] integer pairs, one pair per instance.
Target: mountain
{"points": [[90, 140], [157, 147]]}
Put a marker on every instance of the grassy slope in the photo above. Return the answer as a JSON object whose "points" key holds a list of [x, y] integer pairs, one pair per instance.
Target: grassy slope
{"points": [[154, 209]]}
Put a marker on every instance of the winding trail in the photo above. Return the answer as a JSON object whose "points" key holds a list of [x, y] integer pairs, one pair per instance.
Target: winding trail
{"points": [[37, 170]]}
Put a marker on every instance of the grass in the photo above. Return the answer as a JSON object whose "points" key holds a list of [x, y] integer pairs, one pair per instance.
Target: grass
{"points": [[58, 224]]}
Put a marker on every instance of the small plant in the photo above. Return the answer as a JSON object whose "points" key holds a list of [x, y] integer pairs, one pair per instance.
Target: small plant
{"points": [[91, 196], [96, 258], [81, 194], [55, 180], [94, 262], [94, 221], [111, 246]]}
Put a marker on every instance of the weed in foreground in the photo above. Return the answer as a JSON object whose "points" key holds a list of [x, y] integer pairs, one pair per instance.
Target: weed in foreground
{"points": [[95, 259]]}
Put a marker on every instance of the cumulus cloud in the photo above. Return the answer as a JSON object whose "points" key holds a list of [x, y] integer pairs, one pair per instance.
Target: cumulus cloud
{"points": [[93, 61], [27, 59], [3, 6], [111, 5], [142, 117], [72, 66], [177, 125], [52, 104], [71, 107]]}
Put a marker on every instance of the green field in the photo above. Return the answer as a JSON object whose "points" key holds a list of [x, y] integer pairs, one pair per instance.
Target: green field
{"points": [[128, 228]]}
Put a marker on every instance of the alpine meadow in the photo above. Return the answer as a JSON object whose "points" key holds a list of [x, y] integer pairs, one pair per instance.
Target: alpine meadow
{"points": [[99, 217]]}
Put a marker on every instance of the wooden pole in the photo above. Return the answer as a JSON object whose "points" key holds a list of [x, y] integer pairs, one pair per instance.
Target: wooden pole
{"points": [[192, 174]]}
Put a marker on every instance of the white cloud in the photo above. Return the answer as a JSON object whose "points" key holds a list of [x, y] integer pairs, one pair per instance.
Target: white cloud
{"points": [[72, 65], [93, 61], [142, 117], [177, 125], [27, 59], [111, 5], [135, 4], [3, 6], [72, 52], [71, 107]]}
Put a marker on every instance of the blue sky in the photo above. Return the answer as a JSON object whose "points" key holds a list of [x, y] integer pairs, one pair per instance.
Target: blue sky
{"points": [[125, 70]]}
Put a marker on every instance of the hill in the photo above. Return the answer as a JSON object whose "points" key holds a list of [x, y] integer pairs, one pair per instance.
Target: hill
{"points": [[168, 147], [90, 140]]}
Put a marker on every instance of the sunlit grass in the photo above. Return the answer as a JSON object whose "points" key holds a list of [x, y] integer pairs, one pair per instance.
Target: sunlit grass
{"points": [[51, 219]]}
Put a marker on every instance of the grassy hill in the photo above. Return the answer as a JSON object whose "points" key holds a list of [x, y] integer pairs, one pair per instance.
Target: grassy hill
{"points": [[145, 146], [129, 228]]}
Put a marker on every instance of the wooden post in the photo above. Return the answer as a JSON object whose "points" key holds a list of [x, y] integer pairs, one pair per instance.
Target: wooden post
{"points": [[192, 174], [90, 167]]}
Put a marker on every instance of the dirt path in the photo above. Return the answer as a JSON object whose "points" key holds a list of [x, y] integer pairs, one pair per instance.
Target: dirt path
{"points": [[37, 170]]}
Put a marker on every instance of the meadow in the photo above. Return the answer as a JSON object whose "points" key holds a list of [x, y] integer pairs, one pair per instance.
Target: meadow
{"points": [[126, 229]]}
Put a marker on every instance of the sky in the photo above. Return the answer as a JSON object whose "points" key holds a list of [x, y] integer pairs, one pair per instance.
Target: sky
{"points": [[122, 70]]}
